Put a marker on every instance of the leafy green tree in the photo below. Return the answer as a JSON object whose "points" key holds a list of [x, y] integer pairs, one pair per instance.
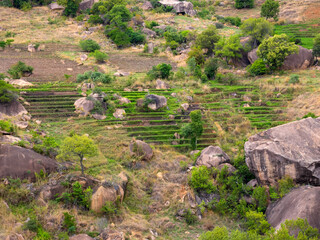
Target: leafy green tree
{"points": [[78, 146], [244, 4], [197, 54], [3, 44], [162, 71], [257, 222], [316, 46], [103, 7], [211, 68], [89, 45], [20, 69], [274, 50], [229, 49], [100, 56], [194, 129], [71, 7], [119, 11], [270, 9], [208, 39], [258, 29], [200, 179], [7, 92], [261, 198]]}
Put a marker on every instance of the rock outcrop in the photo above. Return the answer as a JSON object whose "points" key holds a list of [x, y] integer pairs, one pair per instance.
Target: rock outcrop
{"points": [[86, 4], [81, 237], [12, 109], [182, 7], [292, 149], [119, 113], [55, 6], [147, 6], [299, 203], [83, 106], [141, 149], [212, 156], [149, 32], [155, 101], [302, 60], [18, 162], [162, 85]]}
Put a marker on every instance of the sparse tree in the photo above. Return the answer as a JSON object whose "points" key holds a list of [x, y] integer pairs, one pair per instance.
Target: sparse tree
{"points": [[270, 9], [78, 146], [194, 129], [207, 39], [274, 50], [244, 3], [229, 49], [258, 29]]}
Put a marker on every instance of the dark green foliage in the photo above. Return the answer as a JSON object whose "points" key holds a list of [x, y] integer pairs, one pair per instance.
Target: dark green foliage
{"points": [[135, 37], [244, 4], [257, 68], [31, 225], [310, 114], [109, 208], [75, 195], [3, 44], [69, 223], [71, 8], [7, 92], [194, 129], [120, 12], [95, 77], [162, 71], [260, 197], [95, 19], [103, 7], [98, 108], [197, 54], [207, 39], [316, 46], [211, 68], [89, 45], [155, 3], [20, 69], [151, 24], [270, 9], [236, 21], [219, 25], [294, 79], [49, 147], [200, 179], [226, 79], [190, 217]]}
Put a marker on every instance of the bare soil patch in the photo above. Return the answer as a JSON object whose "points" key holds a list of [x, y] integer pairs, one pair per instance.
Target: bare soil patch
{"points": [[47, 66], [135, 63]]}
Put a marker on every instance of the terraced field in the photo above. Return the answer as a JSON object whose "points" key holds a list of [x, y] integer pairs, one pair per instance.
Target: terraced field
{"points": [[55, 103]]}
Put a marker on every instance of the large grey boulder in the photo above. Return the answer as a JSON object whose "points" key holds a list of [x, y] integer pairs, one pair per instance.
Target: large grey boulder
{"points": [[18, 162], [292, 149], [147, 6], [141, 149], [55, 6], [12, 109], [149, 32], [86, 4], [183, 7], [301, 60], [156, 101], [83, 106], [299, 203], [212, 156]]}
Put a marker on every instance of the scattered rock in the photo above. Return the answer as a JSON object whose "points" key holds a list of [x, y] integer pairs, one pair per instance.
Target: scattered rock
{"points": [[252, 183], [41, 47], [81, 237], [31, 48], [83, 57], [141, 149], [246, 98], [189, 99], [231, 169], [174, 94], [120, 73], [20, 83], [299, 203], [292, 149], [150, 47], [212, 156], [156, 101], [185, 106], [162, 85], [182, 7], [149, 32], [123, 100], [15, 236], [101, 196], [112, 234], [252, 55], [172, 117], [119, 113], [18, 162], [9, 139], [98, 116], [55, 6], [194, 152], [147, 5], [83, 106], [21, 124], [86, 4]]}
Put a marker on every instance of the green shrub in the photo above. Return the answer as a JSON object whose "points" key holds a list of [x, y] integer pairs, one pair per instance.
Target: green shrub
{"points": [[226, 79], [43, 235], [7, 92], [6, 126], [151, 24], [95, 77], [218, 233], [26, 6], [211, 68], [69, 223], [120, 38], [135, 37], [294, 79], [236, 21], [244, 4], [48, 147], [219, 25], [200, 179], [162, 71], [71, 7], [20, 69], [197, 54], [31, 225], [109, 208], [89, 45], [285, 185], [190, 217], [316, 46], [257, 68], [310, 114], [257, 222], [260, 198], [95, 19], [14, 194], [100, 56]]}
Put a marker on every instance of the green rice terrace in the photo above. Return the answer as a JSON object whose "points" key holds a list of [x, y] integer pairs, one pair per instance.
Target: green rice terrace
{"points": [[56, 103]]}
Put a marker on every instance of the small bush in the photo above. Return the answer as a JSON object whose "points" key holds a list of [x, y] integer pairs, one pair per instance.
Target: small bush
{"points": [[285, 185], [162, 71], [200, 179], [310, 114], [71, 8], [31, 225], [257, 68], [95, 77], [69, 223], [190, 217], [109, 208], [244, 4], [7, 92], [294, 79], [261, 198], [95, 19], [226, 79], [211, 68], [89, 45], [257, 222], [219, 25], [100, 56], [19, 70], [236, 21]]}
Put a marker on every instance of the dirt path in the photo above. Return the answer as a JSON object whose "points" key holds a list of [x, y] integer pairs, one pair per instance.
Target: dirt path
{"points": [[47, 66]]}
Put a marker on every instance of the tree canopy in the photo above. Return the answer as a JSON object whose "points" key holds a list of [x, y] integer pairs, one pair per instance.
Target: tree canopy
{"points": [[274, 50], [193, 129], [78, 146], [229, 48], [207, 39], [270, 9]]}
